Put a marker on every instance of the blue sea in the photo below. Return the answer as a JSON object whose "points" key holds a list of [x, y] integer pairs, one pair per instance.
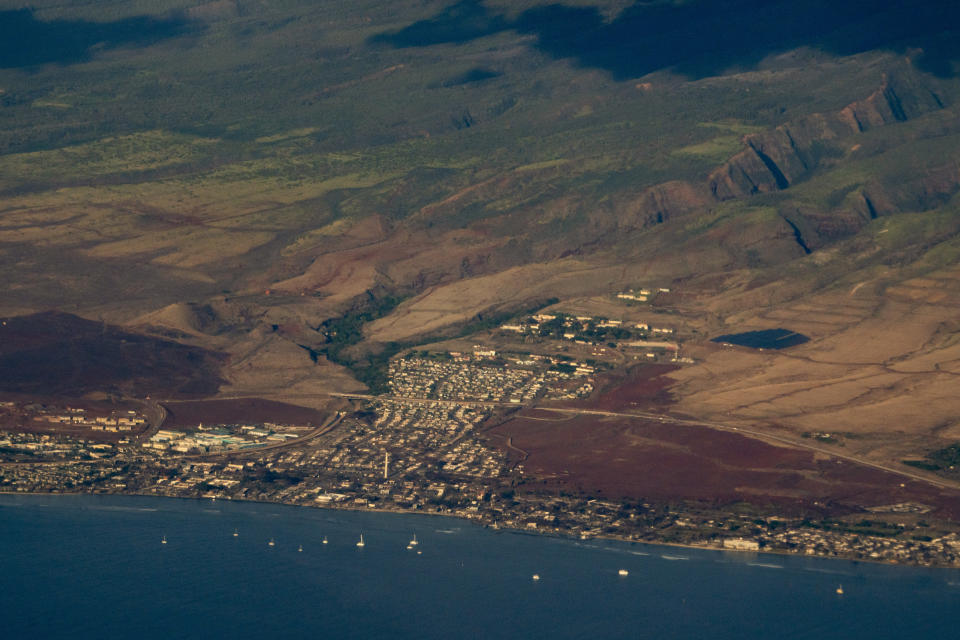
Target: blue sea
{"points": [[84, 567]]}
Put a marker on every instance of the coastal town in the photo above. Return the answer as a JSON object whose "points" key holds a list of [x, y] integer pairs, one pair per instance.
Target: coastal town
{"points": [[463, 478], [425, 446], [422, 448]]}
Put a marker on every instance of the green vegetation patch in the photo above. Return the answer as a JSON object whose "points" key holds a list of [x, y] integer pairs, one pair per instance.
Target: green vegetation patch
{"points": [[342, 333], [715, 150], [944, 461], [112, 155]]}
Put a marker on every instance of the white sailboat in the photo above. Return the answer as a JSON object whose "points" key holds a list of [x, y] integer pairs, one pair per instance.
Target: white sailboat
{"points": [[361, 544], [163, 540], [235, 533], [271, 543], [414, 542], [300, 549], [324, 539]]}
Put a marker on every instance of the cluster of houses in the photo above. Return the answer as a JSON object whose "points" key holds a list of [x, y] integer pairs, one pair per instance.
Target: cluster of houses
{"points": [[640, 295], [514, 378], [582, 329], [116, 421]]}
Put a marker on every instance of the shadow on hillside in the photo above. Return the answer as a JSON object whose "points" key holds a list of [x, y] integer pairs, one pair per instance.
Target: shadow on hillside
{"points": [[26, 41], [704, 37]]}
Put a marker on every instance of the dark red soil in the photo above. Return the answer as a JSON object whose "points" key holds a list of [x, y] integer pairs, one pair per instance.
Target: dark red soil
{"points": [[645, 387], [58, 354], [621, 458], [189, 414]]}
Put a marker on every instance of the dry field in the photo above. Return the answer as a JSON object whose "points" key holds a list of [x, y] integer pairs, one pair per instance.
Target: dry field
{"points": [[880, 371]]}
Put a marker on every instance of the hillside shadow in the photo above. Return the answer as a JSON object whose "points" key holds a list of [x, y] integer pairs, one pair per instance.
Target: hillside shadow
{"points": [[26, 41], [705, 37], [461, 22]]}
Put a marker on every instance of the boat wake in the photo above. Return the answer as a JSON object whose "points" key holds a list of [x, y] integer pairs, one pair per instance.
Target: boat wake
{"points": [[831, 571]]}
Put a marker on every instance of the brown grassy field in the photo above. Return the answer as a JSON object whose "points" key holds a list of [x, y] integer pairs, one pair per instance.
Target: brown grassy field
{"points": [[878, 368]]}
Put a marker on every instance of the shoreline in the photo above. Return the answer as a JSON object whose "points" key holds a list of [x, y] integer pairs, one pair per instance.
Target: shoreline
{"points": [[497, 528]]}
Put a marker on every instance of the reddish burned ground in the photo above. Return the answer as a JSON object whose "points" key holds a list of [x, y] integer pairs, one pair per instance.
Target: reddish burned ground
{"points": [[630, 458], [58, 354], [189, 414], [645, 387]]}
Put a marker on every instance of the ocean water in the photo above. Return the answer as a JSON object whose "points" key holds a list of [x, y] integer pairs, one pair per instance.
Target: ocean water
{"points": [[84, 567]]}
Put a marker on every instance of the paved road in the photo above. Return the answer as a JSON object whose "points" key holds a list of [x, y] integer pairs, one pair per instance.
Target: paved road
{"points": [[156, 415]]}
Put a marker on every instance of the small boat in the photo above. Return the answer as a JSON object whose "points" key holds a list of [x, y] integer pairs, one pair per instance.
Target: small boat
{"points": [[623, 573], [235, 533], [414, 542], [409, 547], [271, 543], [324, 539], [419, 553], [300, 548], [840, 590], [361, 544], [536, 577], [163, 540]]}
